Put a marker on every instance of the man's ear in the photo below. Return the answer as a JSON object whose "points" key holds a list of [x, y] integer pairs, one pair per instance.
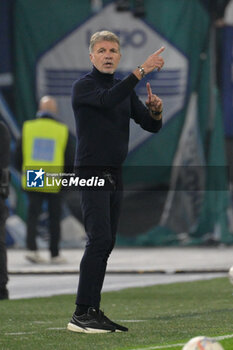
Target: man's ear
{"points": [[91, 57]]}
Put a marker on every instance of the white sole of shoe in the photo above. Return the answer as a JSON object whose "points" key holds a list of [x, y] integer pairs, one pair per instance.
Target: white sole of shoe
{"points": [[73, 328]]}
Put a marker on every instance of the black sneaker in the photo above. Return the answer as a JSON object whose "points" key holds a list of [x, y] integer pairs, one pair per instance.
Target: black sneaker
{"points": [[4, 293], [117, 326], [91, 322]]}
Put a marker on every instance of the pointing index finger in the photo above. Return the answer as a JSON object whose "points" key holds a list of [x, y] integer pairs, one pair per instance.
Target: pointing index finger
{"points": [[149, 92], [159, 51]]}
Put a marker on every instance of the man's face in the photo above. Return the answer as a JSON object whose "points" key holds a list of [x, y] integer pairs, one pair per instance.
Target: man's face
{"points": [[106, 56]]}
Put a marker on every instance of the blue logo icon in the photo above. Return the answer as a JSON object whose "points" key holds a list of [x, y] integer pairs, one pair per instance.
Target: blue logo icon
{"points": [[35, 178]]}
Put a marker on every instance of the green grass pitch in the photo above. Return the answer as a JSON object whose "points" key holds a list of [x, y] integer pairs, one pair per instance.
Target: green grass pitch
{"points": [[158, 317]]}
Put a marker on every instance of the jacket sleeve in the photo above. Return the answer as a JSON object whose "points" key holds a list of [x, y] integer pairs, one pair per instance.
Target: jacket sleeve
{"points": [[87, 92], [141, 115]]}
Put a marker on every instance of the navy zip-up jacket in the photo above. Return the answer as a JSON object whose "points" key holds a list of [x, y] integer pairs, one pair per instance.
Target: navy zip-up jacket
{"points": [[103, 107]]}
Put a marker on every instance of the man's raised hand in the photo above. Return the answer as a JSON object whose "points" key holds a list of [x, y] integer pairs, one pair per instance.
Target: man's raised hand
{"points": [[153, 102], [154, 61]]}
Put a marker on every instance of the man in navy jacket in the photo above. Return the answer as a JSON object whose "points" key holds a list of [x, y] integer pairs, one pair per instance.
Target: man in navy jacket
{"points": [[103, 107]]}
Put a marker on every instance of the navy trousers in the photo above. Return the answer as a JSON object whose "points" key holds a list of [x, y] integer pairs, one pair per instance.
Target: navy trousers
{"points": [[101, 211], [3, 255]]}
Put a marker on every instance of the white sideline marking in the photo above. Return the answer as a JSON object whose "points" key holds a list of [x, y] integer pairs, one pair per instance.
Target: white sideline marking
{"points": [[41, 322], [160, 347], [56, 328], [132, 321], [25, 333], [20, 333], [221, 337]]}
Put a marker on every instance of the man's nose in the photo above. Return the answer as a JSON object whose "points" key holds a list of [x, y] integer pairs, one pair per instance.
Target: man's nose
{"points": [[108, 55]]}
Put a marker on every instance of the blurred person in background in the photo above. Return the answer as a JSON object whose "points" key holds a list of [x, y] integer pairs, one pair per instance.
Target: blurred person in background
{"points": [[137, 7], [103, 107], [4, 190], [45, 142]]}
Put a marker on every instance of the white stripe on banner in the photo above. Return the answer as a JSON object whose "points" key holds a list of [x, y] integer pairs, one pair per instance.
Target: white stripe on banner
{"points": [[183, 203]]}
